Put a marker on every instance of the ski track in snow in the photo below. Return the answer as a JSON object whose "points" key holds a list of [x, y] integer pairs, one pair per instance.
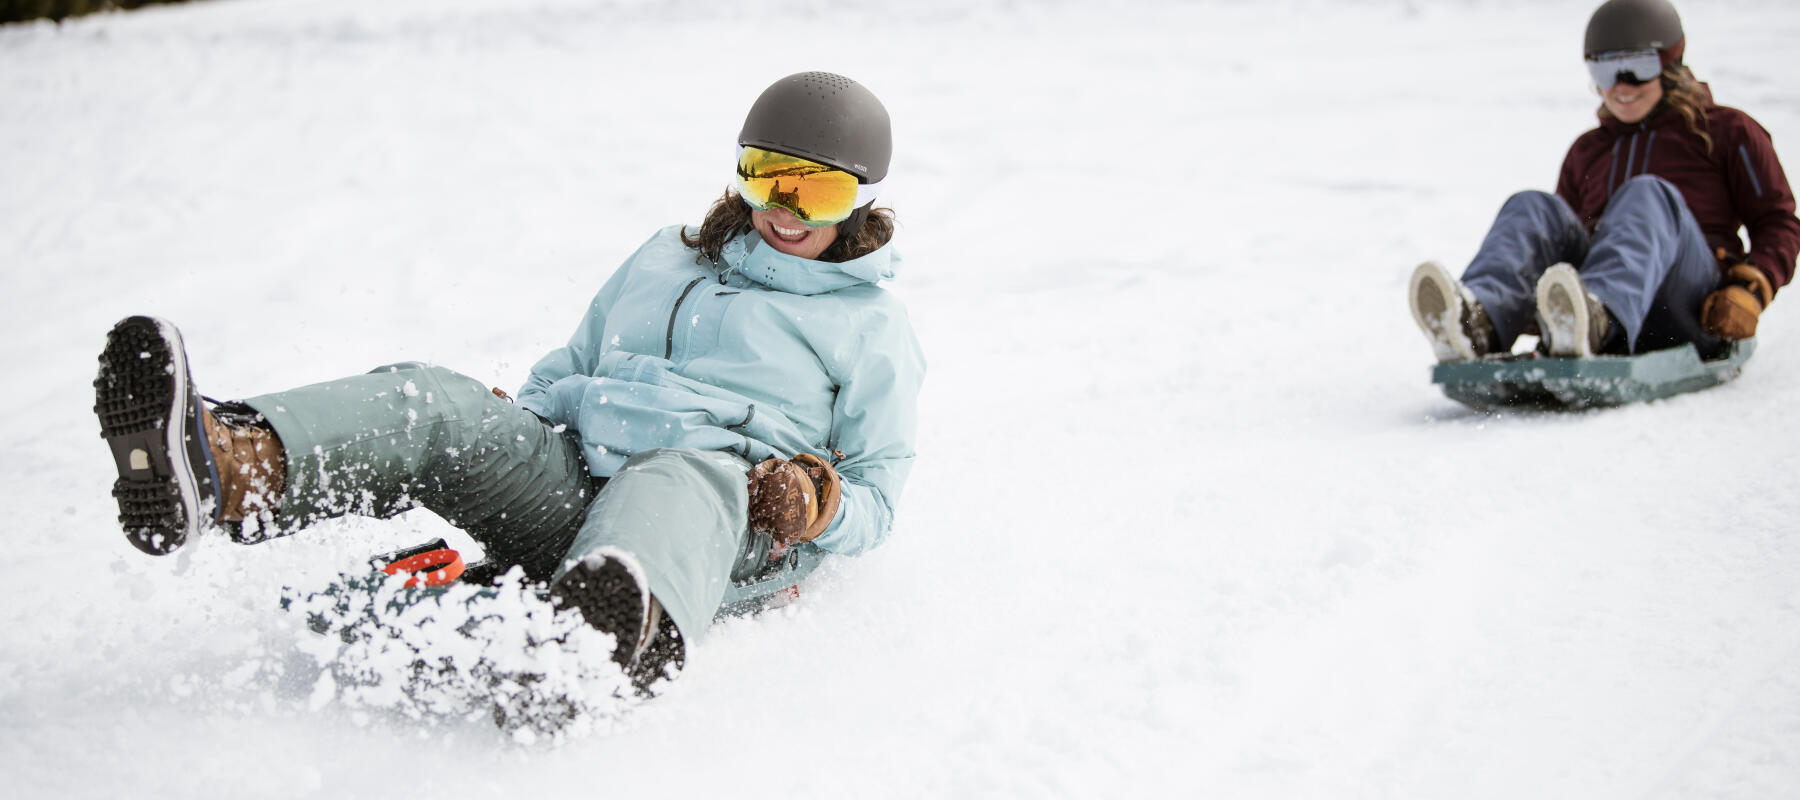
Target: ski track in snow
{"points": [[1188, 517]]}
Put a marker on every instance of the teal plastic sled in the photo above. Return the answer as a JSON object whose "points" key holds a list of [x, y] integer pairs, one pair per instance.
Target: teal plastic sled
{"points": [[1533, 381]]}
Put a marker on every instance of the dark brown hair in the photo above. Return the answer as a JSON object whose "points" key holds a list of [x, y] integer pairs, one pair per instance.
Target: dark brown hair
{"points": [[730, 216], [1682, 94]]}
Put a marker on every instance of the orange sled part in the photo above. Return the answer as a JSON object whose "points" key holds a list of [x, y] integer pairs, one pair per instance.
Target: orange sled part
{"points": [[431, 568]]}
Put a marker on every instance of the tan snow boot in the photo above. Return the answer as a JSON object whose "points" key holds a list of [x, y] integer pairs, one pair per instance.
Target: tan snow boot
{"points": [[252, 465]]}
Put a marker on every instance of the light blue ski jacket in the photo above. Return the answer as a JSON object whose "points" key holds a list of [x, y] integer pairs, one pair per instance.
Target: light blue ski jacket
{"points": [[762, 354]]}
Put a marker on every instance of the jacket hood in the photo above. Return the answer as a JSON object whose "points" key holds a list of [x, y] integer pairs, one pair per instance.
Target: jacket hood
{"points": [[749, 256]]}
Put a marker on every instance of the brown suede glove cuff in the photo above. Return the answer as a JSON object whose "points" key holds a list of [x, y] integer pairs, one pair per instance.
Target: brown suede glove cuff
{"points": [[830, 491]]}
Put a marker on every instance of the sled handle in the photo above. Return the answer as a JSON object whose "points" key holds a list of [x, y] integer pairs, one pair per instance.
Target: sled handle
{"points": [[430, 568]]}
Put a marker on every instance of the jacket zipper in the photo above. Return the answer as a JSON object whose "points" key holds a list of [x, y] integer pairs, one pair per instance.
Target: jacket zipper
{"points": [[669, 343], [1630, 158], [1612, 176]]}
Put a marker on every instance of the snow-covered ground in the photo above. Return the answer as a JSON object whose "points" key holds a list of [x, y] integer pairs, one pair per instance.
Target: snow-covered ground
{"points": [[1188, 518]]}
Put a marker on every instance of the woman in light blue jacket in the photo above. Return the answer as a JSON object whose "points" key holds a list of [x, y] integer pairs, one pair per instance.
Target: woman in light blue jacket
{"points": [[738, 401]]}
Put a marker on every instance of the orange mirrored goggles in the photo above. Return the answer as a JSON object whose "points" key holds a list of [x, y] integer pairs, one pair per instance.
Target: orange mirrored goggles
{"points": [[820, 196]]}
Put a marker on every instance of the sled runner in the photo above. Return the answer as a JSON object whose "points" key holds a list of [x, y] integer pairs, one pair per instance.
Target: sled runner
{"points": [[1531, 380]]}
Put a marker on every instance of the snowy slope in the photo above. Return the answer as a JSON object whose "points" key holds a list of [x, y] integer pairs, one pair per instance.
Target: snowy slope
{"points": [[1188, 517]]}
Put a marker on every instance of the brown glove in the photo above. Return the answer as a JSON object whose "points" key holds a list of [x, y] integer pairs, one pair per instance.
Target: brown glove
{"points": [[793, 501], [1731, 311]]}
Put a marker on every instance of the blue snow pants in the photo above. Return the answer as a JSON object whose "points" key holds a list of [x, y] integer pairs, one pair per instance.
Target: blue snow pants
{"points": [[1647, 261], [412, 435]]}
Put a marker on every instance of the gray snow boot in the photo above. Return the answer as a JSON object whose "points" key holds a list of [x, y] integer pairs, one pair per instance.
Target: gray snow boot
{"points": [[1575, 323], [1448, 313]]}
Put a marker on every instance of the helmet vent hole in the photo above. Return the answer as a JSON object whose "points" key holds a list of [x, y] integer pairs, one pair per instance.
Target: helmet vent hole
{"points": [[826, 82]]}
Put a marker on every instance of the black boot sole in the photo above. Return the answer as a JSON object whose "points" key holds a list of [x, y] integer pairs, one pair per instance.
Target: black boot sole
{"points": [[150, 417], [610, 599]]}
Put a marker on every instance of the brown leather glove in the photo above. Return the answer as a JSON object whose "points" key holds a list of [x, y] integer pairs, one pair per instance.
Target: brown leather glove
{"points": [[793, 501], [1731, 311]]}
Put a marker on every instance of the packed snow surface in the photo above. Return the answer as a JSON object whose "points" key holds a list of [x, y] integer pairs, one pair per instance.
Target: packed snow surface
{"points": [[1188, 517]]}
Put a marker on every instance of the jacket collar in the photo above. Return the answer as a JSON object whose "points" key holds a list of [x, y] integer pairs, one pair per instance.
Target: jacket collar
{"points": [[749, 256]]}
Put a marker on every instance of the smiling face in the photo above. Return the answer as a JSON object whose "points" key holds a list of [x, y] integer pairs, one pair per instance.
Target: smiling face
{"points": [[782, 230], [1631, 104]]}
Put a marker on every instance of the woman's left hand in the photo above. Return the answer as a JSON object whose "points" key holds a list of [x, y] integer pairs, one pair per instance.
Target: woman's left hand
{"points": [[793, 501], [1731, 311]]}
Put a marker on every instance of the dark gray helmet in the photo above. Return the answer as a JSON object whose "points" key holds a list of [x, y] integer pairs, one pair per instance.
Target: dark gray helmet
{"points": [[826, 118], [1635, 25]]}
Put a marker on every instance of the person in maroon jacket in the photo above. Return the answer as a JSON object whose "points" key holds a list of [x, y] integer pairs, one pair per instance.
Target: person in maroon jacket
{"points": [[1643, 228]]}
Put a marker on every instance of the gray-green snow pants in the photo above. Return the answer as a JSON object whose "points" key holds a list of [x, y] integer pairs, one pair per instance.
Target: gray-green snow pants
{"points": [[412, 435]]}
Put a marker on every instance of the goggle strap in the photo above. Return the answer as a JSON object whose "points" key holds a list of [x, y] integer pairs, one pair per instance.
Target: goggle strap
{"points": [[867, 192]]}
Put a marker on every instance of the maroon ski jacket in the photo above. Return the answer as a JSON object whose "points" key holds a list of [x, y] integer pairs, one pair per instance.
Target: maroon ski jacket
{"points": [[1738, 183]]}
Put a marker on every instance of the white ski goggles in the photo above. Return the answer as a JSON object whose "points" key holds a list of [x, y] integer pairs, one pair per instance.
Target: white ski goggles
{"points": [[1635, 67]]}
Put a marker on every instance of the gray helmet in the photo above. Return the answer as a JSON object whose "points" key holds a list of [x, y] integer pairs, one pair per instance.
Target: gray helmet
{"points": [[825, 118], [1636, 25]]}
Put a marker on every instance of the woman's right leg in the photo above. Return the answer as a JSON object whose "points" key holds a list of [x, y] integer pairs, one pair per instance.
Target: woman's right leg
{"points": [[415, 435], [1651, 266], [658, 553], [1533, 231]]}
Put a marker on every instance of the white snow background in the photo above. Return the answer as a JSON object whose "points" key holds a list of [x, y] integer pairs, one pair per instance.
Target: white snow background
{"points": [[1188, 517]]}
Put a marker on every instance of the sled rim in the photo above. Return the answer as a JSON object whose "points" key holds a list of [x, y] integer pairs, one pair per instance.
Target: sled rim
{"points": [[1598, 382]]}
